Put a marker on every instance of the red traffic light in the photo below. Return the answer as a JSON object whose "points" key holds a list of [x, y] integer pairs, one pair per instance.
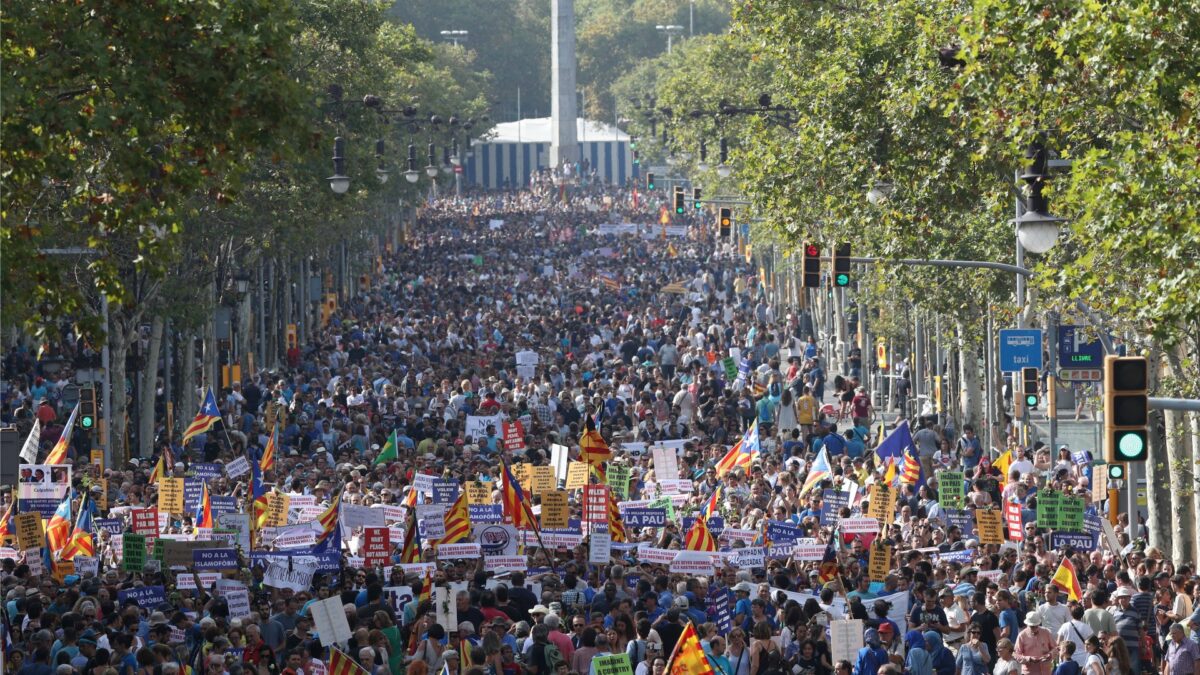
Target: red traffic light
{"points": [[811, 250]]}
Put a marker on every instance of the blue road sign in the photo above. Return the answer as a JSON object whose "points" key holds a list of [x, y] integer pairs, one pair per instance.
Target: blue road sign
{"points": [[1020, 348], [1079, 348]]}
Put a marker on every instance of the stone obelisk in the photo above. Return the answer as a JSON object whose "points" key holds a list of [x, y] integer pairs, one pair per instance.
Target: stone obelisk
{"points": [[564, 142]]}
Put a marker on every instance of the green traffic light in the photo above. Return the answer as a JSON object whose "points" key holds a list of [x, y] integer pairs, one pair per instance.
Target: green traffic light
{"points": [[1131, 444], [1116, 472], [842, 279], [87, 422], [1031, 400]]}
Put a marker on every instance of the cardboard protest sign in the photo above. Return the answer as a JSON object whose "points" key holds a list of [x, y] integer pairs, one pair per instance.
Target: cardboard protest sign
{"points": [[832, 502], [882, 504], [514, 436], [666, 462], [330, 620], [542, 480], [144, 521], [555, 512], [951, 489], [170, 495], [880, 562], [577, 475], [29, 530], [600, 546], [1048, 503], [215, 559], [613, 664], [990, 525], [595, 504], [278, 504], [445, 490], [86, 565], [479, 492], [237, 467]]}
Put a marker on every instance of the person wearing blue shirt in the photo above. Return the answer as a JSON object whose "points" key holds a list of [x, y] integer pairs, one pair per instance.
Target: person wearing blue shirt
{"points": [[833, 443], [854, 445], [1007, 615]]}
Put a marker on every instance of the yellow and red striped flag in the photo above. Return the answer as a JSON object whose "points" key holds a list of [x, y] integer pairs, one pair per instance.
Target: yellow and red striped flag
{"points": [[616, 526], [268, 455], [458, 521], [340, 663], [515, 501], [699, 538], [58, 454], [208, 415]]}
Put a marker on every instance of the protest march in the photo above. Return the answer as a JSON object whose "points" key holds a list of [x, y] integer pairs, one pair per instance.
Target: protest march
{"points": [[554, 438]]}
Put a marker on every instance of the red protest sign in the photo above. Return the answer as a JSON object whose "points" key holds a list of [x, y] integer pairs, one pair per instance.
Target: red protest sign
{"points": [[514, 436], [377, 546], [145, 521], [1012, 517], [595, 503]]}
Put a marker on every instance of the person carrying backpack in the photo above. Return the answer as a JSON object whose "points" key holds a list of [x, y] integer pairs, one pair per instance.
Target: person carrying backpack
{"points": [[544, 657]]}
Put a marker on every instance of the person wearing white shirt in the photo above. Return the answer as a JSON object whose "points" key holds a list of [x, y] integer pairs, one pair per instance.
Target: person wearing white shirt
{"points": [[1078, 631], [1054, 614]]}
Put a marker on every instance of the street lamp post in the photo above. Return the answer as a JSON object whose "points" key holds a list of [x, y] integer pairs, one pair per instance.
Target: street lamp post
{"points": [[670, 30]]}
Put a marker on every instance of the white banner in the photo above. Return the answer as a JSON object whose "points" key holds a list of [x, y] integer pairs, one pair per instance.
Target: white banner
{"points": [[660, 556], [692, 563], [297, 578], [859, 525], [666, 463], [477, 425], [809, 552], [354, 516], [184, 581], [330, 619], [600, 547], [504, 563], [458, 551], [237, 467]]}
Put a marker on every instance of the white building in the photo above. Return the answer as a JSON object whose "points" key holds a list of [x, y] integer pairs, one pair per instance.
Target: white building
{"points": [[513, 150]]}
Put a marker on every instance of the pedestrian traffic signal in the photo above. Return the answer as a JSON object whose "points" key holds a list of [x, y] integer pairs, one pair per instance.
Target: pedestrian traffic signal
{"points": [[696, 202], [87, 407], [1116, 472], [678, 195], [1126, 409], [650, 181], [1029, 387], [725, 219], [812, 265], [841, 265]]}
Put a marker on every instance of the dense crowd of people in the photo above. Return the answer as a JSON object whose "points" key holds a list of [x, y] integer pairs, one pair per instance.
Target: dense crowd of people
{"points": [[521, 308]]}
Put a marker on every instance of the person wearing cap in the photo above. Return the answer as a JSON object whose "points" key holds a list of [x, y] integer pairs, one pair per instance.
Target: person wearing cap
{"points": [[1034, 648], [1129, 624]]}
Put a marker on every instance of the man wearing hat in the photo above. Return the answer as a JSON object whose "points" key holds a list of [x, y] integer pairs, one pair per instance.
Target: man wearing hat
{"points": [[1129, 625], [1035, 647]]}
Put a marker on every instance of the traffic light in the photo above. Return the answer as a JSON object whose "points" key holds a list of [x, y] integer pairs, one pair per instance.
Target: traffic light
{"points": [[841, 265], [696, 202], [1029, 387], [87, 408], [726, 221], [649, 181], [678, 195], [1126, 409], [1116, 472], [812, 265]]}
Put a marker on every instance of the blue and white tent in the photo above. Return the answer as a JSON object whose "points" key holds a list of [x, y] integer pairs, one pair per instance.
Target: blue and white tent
{"points": [[512, 150]]}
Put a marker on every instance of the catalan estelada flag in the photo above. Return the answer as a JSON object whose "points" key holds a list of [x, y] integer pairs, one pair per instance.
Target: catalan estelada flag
{"points": [[457, 520], [742, 454], [58, 454], [8, 529], [204, 514], [1066, 579], [208, 415], [910, 471], [688, 657], [331, 528], [710, 505], [81, 542], [819, 471], [515, 501], [58, 529], [258, 493], [699, 538], [268, 456]]}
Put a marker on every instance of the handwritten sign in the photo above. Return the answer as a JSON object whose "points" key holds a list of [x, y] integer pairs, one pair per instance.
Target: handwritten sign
{"points": [[613, 664], [882, 504], [577, 475], [555, 512], [951, 488], [145, 521], [1012, 518], [991, 526], [618, 480], [542, 480], [170, 495], [1070, 513], [479, 492], [278, 504], [29, 530], [237, 467], [133, 552], [595, 504], [458, 551], [880, 562], [293, 574]]}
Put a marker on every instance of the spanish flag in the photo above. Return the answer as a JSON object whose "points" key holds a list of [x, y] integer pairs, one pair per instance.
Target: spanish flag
{"points": [[688, 657], [699, 538], [1066, 579]]}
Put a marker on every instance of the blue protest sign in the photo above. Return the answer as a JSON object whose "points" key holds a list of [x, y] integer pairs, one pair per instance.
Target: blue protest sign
{"points": [[485, 513], [784, 533], [1020, 348], [965, 520], [222, 504], [574, 526], [193, 488], [207, 470], [215, 559], [445, 490], [109, 525], [46, 507], [144, 596], [718, 609], [716, 525], [832, 502], [644, 517], [781, 552], [1080, 541]]}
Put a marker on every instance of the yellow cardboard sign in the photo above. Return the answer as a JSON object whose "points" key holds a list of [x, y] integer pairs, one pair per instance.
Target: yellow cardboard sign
{"points": [[170, 495]]}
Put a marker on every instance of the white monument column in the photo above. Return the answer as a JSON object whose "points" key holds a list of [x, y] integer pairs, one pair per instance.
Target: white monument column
{"points": [[564, 142]]}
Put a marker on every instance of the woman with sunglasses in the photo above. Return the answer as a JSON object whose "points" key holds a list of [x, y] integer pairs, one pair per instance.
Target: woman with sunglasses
{"points": [[973, 657]]}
